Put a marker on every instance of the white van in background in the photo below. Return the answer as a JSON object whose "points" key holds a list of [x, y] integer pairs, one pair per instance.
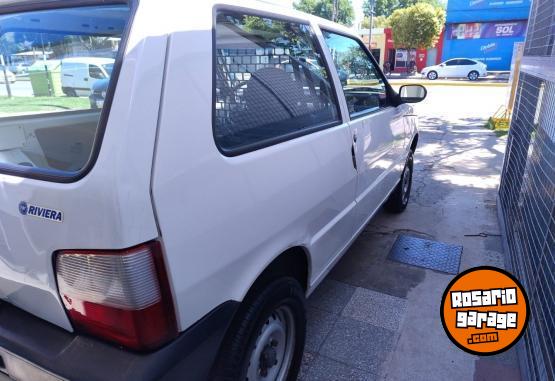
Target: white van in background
{"points": [[80, 73]]}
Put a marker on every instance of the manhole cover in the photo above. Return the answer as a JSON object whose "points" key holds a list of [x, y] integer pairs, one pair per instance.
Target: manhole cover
{"points": [[432, 255]]}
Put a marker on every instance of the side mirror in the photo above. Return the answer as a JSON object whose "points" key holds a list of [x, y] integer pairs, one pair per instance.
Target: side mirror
{"points": [[412, 93], [442, 65]]}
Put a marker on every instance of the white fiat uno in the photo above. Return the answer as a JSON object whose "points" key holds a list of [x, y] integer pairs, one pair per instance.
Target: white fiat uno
{"points": [[175, 232]]}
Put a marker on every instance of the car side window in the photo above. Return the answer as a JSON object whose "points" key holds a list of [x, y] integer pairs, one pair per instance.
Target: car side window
{"points": [[452, 63], [271, 83], [467, 62], [363, 86], [95, 72]]}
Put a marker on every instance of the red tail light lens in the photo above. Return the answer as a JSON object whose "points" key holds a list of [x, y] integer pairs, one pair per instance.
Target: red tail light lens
{"points": [[122, 296]]}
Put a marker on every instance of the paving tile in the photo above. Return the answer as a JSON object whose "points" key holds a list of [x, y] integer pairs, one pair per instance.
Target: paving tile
{"points": [[326, 369], [358, 344], [319, 325], [376, 308], [331, 296]]}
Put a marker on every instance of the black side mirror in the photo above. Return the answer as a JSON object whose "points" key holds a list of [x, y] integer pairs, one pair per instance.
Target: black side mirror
{"points": [[412, 93]]}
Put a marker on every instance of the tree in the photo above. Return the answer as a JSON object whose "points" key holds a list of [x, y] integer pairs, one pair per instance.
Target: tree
{"points": [[387, 7], [417, 26], [324, 8], [378, 22], [433, 3]]}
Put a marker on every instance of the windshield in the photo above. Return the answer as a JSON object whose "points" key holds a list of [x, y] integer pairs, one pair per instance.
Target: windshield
{"points": [[48, 122]]}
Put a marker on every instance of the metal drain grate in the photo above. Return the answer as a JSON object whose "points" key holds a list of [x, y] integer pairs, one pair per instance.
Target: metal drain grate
{"points": [[432, 255]]}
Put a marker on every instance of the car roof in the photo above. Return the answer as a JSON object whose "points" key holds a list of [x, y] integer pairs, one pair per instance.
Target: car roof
{"points": [[167, 19]]}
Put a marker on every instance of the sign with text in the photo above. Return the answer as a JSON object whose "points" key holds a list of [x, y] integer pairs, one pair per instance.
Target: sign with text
{"points": [[486, 4], [486, 30]]}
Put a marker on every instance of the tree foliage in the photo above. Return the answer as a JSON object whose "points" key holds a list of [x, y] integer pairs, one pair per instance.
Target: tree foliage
{"points": [[377, 22], [324, 8], [417, 26], [387, 7]]}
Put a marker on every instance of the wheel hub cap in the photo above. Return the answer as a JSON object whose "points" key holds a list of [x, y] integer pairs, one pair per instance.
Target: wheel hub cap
{"points": [[273, 351]]}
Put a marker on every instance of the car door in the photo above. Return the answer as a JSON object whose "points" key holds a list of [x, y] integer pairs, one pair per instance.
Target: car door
{"points": [[466, 66], [378, 128], [450, 69], [264, 156]]}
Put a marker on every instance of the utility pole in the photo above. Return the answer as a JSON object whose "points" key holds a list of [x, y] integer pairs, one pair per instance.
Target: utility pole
{"points": [[372, 4], [6, 79]]}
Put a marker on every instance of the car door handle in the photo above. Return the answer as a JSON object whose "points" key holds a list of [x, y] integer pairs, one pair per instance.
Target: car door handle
{"points": [[353, 153]]}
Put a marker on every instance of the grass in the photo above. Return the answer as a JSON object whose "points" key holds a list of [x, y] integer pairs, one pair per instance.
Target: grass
{"points": [[22, 105]]}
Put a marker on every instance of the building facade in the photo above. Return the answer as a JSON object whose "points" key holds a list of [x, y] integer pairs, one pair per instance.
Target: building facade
{"points": [[485, 30], [398, 59]]}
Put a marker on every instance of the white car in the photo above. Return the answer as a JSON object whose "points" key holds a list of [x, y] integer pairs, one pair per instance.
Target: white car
{"points": [[175, 233], [456, 68]]}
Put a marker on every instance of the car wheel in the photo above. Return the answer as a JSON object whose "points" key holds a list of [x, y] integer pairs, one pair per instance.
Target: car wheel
{"points": [[399, 199], [432, 75], [266, 338], [473, 75]]}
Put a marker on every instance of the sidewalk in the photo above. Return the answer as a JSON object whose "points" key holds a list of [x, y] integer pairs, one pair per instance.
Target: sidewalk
{"points": [[373, 318]]}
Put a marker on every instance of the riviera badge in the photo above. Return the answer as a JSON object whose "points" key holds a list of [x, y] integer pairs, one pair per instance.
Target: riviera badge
{"points": [[27, 209]]}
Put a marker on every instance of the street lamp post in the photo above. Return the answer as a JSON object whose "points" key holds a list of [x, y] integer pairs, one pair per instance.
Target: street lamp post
{"points": [[372, 4]]}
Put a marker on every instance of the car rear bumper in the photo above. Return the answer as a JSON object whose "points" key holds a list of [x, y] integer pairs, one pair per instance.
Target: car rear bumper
{"points": [[32, 349]]}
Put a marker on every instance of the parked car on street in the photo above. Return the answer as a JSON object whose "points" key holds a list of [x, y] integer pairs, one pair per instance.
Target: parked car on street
{"points": [[20, 68], [9, 75], [456, 68], [79, 74], [176, 234]]}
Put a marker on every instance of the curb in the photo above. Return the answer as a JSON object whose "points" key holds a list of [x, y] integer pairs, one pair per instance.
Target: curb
{"points": [[445, 83]]}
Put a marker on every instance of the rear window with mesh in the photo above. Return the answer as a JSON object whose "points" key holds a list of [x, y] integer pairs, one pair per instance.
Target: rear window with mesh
{"points": [[271, 83]]}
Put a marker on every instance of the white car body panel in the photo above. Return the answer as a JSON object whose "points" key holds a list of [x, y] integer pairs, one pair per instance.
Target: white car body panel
{"points": [[159, 174], [109, 208]]}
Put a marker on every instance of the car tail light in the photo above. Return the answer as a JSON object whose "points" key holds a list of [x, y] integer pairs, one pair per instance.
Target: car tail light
{"points": [[122, 296]]}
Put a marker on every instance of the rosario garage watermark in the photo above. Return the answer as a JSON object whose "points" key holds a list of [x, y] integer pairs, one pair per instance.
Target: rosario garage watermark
{"points": [[484, 310]]}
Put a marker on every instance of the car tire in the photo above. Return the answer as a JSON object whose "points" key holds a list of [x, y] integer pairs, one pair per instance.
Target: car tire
{"points": [[399, 199], [267, 335], [473, 75], [432, 75], [70, 92]]}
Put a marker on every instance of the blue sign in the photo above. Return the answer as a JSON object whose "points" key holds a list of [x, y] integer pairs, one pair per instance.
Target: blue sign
{"points": [[460, 5], [460, 11], [486, 30], [496, 53]]}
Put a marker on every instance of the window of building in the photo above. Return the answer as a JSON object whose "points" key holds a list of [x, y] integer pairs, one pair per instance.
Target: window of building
{"points": [[271, 83], [363, 85]]}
